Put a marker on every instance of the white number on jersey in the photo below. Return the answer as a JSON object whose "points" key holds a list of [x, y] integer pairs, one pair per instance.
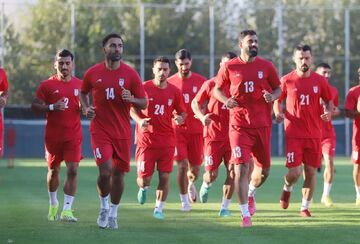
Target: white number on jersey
{"points": [[159, 109], [110, 94], [186, 97], [209, 160], [304, 99], [237, 152], [141, 166], [97, 153], [249, 86], [66, 101], [290, 157]]}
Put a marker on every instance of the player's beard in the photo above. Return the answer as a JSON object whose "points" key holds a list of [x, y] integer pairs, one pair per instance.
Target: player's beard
{"points": [[185, 73], [304, 68], [253, 52], [114, 57]]}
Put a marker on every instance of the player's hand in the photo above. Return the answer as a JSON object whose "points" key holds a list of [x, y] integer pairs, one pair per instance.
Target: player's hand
{"points": [[267, 96], [2, 102], [60, 104], [179, 120], [126, 95], [231, 103], [326, 116], [144, 124], [358, 105], [206, 120], [90, 112], [279, 117]]}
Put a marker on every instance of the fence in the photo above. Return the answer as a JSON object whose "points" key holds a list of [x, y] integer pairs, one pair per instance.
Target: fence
{"points": [[282, 25]]}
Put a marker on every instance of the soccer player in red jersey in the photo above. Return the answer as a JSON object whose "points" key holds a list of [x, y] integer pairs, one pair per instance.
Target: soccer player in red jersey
{"points": [[58, 97], [154, 127], [254, 85], [302, 89], [4, 87], [189, 139], [115, 87], [328, 137], [352, 110], [215, 118]]}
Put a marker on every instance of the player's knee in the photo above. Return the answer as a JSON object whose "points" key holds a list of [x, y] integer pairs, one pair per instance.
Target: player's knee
{"points": [[265, 173], [213, 175], [71, 172], [53, 172]]}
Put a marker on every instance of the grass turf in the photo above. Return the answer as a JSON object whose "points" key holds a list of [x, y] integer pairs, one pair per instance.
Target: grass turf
{"points": [[24, 205]]}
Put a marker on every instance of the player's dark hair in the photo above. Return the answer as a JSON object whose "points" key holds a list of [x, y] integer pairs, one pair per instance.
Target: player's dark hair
{"points": [[109, 36], [64, 53], [302, 47], [323, 65], [245, 33], [229, 55], [183, 54], [161, 59]]}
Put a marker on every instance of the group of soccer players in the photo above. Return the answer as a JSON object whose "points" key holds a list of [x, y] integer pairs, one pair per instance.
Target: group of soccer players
{"points": [[185, 118]]}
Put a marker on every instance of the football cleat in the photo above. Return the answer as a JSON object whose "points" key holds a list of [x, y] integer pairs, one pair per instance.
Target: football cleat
{"points": [[204, 194], [52, 215], [185, 207], [252, 205], [285, 199], [112, 223], [224, 213], [246, 222], [103, 218], [158, 215], [192, 193], [305, 213], [327, 201], [142, 195], [67, 215]]}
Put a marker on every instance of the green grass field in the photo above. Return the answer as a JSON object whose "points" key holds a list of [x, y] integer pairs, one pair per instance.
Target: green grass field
{"points": [[24, 205]]}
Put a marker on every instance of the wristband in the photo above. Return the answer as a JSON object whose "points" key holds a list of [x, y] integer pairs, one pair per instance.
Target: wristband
{"points": [[51, 107]]}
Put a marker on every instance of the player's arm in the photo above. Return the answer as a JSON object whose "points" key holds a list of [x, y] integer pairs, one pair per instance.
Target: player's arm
{"points": [[88, 110], [270, 97], [180, 118], [328, 108], [200, 113], [140, 103], [3, 98], [229, 102], [136, 116], [39, 105], [278, 111]]}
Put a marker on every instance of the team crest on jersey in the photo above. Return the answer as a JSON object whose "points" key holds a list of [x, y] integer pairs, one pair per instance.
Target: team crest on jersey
{"points": [[169, 102], [194, 89], [260, 74], [76, 92], [315, 89], [121, 81]]}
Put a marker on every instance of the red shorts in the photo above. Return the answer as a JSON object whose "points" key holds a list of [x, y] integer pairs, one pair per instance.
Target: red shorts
{"points": [[247, 143], [328, 146], [303, 150], [215, 152], [147, 157], [190, 146], [58, 151], [105, 148]]}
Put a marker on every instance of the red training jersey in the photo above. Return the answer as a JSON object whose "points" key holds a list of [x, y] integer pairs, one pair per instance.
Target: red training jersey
{"points": [[112, 113], [4, 86], [161, 104], [247, 82], [189, 87], [350, 104], [61, 125], [328, 129], [302, 115], [218, 129]]}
